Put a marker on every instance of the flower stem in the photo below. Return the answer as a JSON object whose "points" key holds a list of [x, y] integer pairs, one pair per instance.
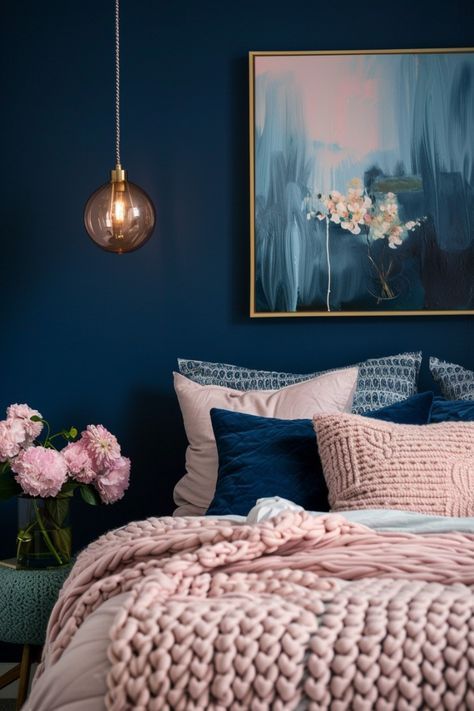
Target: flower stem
{"points": [[20, 538], [45, 422], [46, 537], [328, 294], [383, 276]]}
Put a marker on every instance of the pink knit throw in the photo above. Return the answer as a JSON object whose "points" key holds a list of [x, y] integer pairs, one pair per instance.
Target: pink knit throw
{"points": [[299, 611]]}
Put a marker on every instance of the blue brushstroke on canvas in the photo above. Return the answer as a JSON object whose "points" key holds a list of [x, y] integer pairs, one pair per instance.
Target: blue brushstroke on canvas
{"points": [[422, 106]]}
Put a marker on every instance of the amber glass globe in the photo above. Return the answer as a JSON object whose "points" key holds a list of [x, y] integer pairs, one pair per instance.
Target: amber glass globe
{"points": [[119, 216]]}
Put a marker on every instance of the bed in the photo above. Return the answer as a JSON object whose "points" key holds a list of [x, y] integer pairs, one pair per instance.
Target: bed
{"points": [[286, 606], [284, 609]]}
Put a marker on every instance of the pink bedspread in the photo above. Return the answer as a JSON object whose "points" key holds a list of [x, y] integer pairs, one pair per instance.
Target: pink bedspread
{"points": [[296, 612]]}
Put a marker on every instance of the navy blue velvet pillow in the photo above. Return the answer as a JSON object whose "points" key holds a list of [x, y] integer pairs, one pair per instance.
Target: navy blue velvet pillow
{"points": [[265, 456], [452, 410], [415, 410]]}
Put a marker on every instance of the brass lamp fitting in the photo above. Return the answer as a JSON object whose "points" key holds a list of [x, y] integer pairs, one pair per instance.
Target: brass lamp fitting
{"points": [[118, 174]]}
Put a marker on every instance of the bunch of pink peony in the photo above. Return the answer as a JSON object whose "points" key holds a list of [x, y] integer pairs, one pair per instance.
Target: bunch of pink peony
{"points": [[41, 470], [96, 459], [18, 431]]}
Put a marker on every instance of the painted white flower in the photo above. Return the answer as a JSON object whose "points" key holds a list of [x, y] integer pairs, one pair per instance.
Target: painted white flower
{"points": [[356, 209]]}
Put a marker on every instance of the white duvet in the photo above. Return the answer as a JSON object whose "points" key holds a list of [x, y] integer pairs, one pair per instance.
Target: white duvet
{"points": [[78, 681], [378, 519]]}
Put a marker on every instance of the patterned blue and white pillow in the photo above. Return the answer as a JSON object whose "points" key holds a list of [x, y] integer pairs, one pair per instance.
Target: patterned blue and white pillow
{"points": [[456, 382], [381, 381], [239, 378], [385, 381]]}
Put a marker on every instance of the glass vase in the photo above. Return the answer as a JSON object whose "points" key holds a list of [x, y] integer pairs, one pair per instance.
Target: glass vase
{"points": [[44, 532], [387, 282]]}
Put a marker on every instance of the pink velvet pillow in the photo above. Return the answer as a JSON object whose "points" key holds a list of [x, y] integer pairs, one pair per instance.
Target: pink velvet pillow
{"points": [[330, 392], [371, 464]]}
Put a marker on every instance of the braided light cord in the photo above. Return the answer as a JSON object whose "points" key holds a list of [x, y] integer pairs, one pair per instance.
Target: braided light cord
{"points": [[117, 82]]}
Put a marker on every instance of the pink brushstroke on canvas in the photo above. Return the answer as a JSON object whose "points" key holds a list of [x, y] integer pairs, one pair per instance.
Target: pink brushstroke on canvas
{"points": [[340, 101]]}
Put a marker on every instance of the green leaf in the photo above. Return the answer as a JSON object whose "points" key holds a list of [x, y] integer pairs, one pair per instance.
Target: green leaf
{"points": [[89, 495], [8, 486], [68, 489], [73, 432], [57, 510], [36, 418]]}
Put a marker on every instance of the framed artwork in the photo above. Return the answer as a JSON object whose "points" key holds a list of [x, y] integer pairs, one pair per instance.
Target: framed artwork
{"points": [[362, 183]]}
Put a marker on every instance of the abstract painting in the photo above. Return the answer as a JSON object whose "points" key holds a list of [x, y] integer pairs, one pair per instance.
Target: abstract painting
{"points": [[362, 183]]}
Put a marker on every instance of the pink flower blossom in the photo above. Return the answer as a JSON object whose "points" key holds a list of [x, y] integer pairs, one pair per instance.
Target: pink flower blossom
{"points": [[40, 471], [101, 445], [112, 485], [394, 241], [12, 437], [23, 415], [395, 236], [341, 208], [79, 462], [354, 193]]}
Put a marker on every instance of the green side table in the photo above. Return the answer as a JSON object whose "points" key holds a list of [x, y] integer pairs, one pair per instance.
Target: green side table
{"points": [[27, 598]]}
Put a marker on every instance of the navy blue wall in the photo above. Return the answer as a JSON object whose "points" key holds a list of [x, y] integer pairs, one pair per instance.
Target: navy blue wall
{"points": [[92, 337]]}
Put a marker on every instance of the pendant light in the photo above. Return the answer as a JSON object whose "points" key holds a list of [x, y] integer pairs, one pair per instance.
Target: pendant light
{"points": [[119, 216]]}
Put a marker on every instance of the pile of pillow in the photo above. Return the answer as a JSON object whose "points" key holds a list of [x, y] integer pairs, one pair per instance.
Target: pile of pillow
{"points": [[380, 381], [251, 434]]}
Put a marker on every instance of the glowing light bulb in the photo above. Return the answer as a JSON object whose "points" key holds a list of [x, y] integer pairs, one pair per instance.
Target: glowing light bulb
{"points": [[118, 211], [119, 216]]}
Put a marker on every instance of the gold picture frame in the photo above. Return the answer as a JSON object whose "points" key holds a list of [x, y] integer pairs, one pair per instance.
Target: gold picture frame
{"points": [[261, 63]]}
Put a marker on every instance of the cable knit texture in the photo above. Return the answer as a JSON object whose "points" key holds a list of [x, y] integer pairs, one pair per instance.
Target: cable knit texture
{"points": [[296, 612], [372, 464]]}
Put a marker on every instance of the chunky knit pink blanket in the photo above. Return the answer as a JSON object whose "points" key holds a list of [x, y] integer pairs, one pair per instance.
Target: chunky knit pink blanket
{"points": [[296, 612]]}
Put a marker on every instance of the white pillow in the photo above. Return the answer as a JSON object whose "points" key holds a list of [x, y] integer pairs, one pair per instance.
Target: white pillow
{"points": [[329, 393]]}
